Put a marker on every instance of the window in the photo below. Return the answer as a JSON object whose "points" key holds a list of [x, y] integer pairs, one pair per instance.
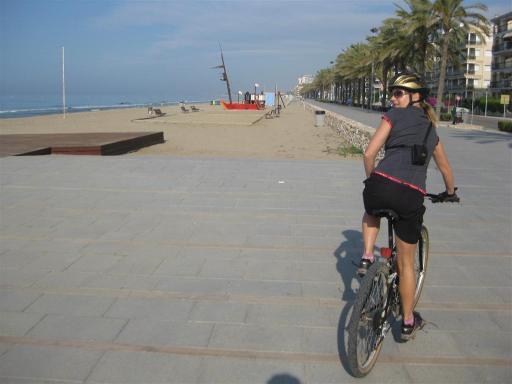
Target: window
{"points": [[488, 53]]}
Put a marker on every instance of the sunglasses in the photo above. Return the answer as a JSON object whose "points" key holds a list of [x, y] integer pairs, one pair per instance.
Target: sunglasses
{"points": [[398, 93]]}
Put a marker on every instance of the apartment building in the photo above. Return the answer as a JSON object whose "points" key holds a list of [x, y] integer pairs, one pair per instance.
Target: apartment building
{"points": [[501, 82], [301, 82], [474, 74]]}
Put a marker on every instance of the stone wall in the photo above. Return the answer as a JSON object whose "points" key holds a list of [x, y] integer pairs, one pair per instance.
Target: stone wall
{"points": [[354, 132]]}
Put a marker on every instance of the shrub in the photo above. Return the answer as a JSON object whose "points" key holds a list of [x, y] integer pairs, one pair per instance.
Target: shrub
{"points": [[446, 117], [505, 126], [493, 104], [349, 151]]}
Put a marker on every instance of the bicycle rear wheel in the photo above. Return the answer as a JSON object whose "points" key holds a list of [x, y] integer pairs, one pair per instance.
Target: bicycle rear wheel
{"points": [[365, 333], [420, 263]]}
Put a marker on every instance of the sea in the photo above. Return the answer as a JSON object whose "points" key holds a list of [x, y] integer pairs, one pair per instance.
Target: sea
{"points": [[36, 105]]}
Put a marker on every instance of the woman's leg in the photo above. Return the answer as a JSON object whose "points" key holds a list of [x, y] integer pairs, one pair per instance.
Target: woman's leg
{"points": [[371, 226], [407, 287]]}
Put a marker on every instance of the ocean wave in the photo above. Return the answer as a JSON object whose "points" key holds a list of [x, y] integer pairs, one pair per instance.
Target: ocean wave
{"points": [[37, 111], [32, 110]]}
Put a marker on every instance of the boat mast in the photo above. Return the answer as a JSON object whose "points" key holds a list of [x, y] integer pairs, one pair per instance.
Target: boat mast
{"points": [[224, 74], [63, 87]]}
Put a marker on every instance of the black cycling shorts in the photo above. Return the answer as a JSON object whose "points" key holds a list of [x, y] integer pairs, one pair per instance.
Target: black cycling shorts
{"points": [[382, 193]]}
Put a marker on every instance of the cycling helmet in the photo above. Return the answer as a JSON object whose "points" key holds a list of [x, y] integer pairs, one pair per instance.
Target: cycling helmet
{"points": [[408, 81]]}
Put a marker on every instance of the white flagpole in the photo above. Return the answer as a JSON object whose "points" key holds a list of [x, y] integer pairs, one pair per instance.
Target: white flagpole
{"points": [[63, 87]]}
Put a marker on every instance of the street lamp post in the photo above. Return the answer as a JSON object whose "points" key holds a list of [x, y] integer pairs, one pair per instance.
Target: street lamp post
{"points": [[372, 81]]}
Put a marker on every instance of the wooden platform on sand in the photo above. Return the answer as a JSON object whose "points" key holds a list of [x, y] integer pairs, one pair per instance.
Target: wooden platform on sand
{"points": [[104, 143]]}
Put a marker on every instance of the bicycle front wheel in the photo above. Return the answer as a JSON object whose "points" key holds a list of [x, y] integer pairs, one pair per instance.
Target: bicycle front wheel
{"points": [[365, 330], [420, 263]]}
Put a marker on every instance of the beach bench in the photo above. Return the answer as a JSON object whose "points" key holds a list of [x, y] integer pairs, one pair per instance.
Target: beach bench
{"points": [[194, 109], [184, 110], [155, 112]]}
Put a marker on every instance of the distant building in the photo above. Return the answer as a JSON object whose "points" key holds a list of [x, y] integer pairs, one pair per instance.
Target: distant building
{"points": [[501, 82], [472, 76], [301, 82]]}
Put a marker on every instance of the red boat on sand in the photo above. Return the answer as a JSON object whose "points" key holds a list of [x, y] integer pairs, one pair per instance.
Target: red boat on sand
{"points": [[241, 106]]}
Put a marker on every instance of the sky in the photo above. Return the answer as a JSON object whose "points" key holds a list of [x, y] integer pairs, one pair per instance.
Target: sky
{"points": [[165, 49]]}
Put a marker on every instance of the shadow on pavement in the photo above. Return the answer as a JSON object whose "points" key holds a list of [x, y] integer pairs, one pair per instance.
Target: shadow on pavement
{"points": [[347, 255], [283, 378]]}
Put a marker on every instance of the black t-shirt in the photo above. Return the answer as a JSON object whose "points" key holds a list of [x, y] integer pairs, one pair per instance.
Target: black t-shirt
{"points": [[408, 127]]}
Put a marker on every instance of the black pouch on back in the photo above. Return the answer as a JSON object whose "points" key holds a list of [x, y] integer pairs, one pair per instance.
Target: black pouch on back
{"points": [[419, 154]]}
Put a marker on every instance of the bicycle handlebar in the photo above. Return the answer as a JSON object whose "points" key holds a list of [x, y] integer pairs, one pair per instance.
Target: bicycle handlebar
{"points": [[444, 197]]}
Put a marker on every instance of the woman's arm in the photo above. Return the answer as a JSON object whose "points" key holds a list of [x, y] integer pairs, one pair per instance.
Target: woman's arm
{"points": [[377, 141], [443, 164]]}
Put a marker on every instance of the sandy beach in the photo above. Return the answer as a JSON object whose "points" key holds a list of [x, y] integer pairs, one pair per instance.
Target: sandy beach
{"points": [[212, 132]]}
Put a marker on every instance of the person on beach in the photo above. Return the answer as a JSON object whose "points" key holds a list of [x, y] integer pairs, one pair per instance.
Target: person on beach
{"points": [[398, 184]]}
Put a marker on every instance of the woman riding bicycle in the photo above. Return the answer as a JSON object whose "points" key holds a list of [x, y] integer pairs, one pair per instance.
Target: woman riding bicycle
{"points": [[398, 182]]}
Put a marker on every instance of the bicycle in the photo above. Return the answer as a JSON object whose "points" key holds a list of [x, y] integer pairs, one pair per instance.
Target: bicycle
{"points": [[378, 297]]}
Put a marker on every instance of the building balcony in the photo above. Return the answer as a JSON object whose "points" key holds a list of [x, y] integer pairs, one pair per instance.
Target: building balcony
{"points": [[501, 84], [502, 47], [502, 67]]}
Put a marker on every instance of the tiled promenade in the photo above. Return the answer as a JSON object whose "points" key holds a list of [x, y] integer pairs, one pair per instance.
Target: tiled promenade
{"points": [[181, 270]]}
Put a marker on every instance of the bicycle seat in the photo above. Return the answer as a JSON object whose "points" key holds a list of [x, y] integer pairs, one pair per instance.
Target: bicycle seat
{"points": [[387, 213]]}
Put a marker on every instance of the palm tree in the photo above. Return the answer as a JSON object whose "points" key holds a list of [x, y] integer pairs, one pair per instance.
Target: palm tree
{"points": [[421, 30], [390, 49], [323, 79], [355, 65], [452, 18]]}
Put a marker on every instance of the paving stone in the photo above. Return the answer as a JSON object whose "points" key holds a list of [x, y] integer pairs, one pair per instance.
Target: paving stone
{"points": [[449, 374], [231, 371], [16, 301], [161, 309], [292, 315], [17, 323], [15, 259], [63, 279], [224, 269], [264, 288], [180, 266], [256, 337], [218, 312], [72, 305], [47, 363], [121, 281], [145, 367], [154, 332], [96, 263], [53, 262], [192, 285], [20, 278], [77, 328], [320, 373]]}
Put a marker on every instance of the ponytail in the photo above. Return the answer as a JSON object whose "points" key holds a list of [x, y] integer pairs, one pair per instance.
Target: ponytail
{"points": [[429, 111]]}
